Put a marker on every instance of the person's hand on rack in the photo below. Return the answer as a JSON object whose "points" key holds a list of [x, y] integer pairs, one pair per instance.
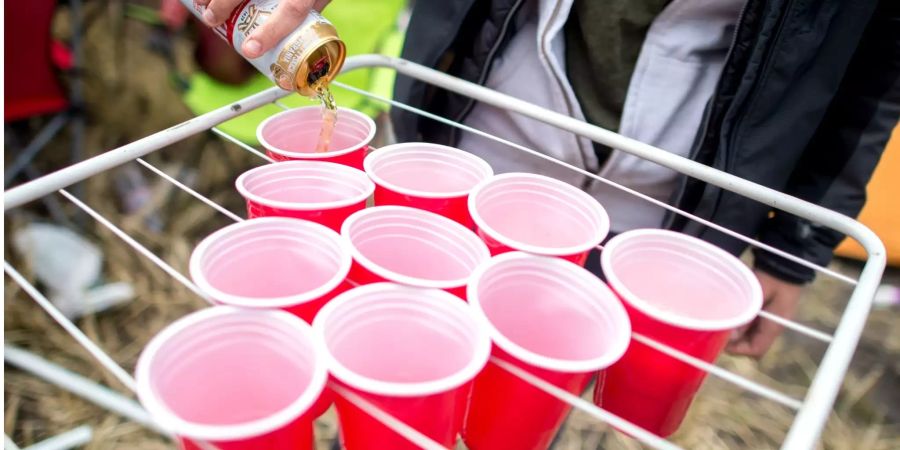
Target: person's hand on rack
{"points": [[780, 298], [287, 17]]}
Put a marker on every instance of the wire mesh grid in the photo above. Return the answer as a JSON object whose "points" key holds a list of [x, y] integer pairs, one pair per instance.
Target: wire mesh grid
{"points": [[811, 411]]}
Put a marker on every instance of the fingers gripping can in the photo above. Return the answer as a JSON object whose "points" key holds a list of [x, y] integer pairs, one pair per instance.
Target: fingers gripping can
{"points": [[308, 58]]}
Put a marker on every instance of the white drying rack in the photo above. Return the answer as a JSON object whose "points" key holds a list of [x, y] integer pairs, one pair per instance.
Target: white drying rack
{"points": [[811, 412]]}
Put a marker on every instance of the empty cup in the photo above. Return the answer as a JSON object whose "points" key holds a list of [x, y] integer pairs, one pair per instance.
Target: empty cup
{"points": [[539, 215], [412, 247], [551, 318], [411, 352], [321, 192], [273, 263], [432, 177], [233, 379], [682, 292], [294, 134]]}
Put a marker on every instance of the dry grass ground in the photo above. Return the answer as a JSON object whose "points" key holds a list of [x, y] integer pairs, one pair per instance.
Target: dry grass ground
{"points": [[129, 96]]}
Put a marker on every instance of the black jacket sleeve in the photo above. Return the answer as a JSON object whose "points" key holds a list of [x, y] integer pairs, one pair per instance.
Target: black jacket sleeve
{"points": [[839, 160]]}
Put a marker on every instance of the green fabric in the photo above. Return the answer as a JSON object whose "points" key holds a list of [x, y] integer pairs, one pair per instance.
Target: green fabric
{"points": [[603, 41], [207, 94], [365, 26]]}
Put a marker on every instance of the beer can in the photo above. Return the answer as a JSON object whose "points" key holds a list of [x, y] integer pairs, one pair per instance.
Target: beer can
{"points": [[308, 58]]}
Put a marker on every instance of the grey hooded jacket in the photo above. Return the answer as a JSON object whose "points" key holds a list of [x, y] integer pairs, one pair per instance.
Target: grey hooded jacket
{"points": [[805, 104]]}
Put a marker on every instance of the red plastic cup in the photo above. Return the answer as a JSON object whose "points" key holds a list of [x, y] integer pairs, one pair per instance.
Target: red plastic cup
{"points": [[551, 318], [411, 352], [682, 292], [432, 177], [412, 247], [294, 134], [539, 215], [233, 379], [321, 192], [273, 263]]}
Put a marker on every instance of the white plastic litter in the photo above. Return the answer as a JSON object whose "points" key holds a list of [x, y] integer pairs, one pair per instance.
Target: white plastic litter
{"points": [[70, 268], [887, 296], [8, 443]]}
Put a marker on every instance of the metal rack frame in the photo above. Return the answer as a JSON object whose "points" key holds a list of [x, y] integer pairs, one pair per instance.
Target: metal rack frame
{"points": [[812, 411]]}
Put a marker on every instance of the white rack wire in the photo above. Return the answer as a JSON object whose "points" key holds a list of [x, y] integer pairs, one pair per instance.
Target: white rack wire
{"points": [[812, 411]]}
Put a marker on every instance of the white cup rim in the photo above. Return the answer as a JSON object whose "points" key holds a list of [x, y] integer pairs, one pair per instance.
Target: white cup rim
{"points": [[170, 421], [331, 153], [754, 305], [612, 306], [601, 232], [241, 186], [441, 221], [387, 150], [219, 296], [480, 352]]}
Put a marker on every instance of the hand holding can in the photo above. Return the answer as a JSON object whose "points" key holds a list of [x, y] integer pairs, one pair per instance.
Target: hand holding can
{"points": [[286, 40]]}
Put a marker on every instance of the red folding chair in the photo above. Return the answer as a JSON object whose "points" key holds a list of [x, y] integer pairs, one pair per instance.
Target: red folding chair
{"points": [[32, 86], [33, 62]]}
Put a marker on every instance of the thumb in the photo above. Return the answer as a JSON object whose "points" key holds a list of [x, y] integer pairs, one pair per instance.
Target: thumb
{"points": [[286, 18]]}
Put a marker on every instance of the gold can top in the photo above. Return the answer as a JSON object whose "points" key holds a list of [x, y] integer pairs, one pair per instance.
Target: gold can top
{"points": [[320, 67], [321, 62]]}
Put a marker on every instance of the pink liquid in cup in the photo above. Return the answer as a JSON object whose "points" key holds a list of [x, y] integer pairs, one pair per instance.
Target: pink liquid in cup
{"points": [[539, 215], [232, 379], [293, 135], [682, 292], [551, 318], [411, 352], [432, 177], [273, 263], [412, 247], [321, 192]]}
